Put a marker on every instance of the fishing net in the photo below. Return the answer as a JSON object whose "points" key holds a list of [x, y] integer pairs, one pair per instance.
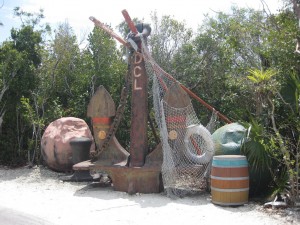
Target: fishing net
{"points": [[187, 145]]}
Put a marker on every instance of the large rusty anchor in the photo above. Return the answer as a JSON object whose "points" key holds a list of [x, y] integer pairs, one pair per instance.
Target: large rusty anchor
{"points": [[136, 170]]}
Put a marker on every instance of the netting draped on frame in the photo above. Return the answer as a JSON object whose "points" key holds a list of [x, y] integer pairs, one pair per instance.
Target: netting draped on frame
{"points": [[187, 145]]}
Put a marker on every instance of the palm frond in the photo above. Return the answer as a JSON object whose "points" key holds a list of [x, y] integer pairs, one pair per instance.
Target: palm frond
{"points": [[258, 76]]}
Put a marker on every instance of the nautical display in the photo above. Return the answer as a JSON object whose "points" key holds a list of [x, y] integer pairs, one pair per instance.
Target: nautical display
{"points": [[181, 162]]}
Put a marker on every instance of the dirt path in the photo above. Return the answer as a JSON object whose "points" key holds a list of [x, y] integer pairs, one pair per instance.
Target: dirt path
{"points": [[39, 193]]}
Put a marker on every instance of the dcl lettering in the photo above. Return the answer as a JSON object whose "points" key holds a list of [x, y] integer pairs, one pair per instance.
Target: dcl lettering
{"points": [[137, 72]]}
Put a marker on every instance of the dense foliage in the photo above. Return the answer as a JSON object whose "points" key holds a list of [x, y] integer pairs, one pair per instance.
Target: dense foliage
{"points": [[242, 63]]}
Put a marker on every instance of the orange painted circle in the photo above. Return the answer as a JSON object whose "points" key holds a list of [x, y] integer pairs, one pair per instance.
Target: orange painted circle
{"points": [[102, 134], [173, 135]]}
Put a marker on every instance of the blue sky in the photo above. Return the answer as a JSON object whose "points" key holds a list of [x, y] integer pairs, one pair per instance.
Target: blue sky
{"points": [[77, 12]]}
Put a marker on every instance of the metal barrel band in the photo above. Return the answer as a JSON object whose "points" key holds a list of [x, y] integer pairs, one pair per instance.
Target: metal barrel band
{"points": [[229, 190], [229, 178]]}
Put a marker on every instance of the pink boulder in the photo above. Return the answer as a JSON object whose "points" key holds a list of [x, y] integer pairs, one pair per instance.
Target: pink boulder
{"points": [[55, 143]]}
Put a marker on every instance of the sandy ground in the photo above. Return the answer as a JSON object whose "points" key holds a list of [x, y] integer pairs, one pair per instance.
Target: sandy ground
{"points": [[38, 195]]}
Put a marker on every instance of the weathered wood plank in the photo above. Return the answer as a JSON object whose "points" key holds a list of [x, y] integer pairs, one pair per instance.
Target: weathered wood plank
{"points": [[101, 104]]}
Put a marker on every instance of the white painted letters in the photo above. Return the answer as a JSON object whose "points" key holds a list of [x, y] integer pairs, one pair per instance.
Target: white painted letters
{"points": [[137, 58], [137, 72], [135, 87]]}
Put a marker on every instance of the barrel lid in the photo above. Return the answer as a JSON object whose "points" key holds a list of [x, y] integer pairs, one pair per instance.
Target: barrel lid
{"points": [[230, 161]]}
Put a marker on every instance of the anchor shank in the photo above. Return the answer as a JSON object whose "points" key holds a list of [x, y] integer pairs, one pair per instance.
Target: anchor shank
{"points": [[139, 112]]}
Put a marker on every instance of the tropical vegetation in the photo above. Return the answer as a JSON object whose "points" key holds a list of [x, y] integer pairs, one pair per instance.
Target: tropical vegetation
{"points": [[243, 63]]}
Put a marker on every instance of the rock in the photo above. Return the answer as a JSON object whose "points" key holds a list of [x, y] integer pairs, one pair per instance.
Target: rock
{"points": [[276, 205], [55, 143]]}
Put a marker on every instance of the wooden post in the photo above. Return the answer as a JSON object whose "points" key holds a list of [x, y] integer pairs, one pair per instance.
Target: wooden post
{"points": [[139, 112]]}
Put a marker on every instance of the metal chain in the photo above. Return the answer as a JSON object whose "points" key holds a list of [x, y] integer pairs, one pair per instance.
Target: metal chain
{"points": [[119, 114]]}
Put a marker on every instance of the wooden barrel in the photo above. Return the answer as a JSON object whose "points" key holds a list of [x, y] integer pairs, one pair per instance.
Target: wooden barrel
{"points": [[229, 180]]}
